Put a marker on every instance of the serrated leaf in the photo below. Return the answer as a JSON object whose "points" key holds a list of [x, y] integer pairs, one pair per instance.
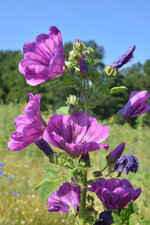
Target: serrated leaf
{"points": [[49, 187], [51, 174], [63, 110], [116, 89]]}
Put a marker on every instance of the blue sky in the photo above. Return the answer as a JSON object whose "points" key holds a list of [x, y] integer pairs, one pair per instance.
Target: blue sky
{"points": [[114, 24]]}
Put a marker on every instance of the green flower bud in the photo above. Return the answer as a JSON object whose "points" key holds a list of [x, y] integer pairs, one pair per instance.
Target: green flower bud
{"points": [[89, 51], [110, 71], [79, 46]]}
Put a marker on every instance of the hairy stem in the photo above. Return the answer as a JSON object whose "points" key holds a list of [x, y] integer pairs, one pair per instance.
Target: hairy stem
{"points": [[83, 198]]}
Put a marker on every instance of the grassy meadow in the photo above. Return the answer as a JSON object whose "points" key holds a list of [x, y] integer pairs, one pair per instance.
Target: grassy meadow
{"points": [[22, 171]]}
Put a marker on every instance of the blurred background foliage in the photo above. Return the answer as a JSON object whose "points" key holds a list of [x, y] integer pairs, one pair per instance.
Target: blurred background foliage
{"points": [[13, 87]]}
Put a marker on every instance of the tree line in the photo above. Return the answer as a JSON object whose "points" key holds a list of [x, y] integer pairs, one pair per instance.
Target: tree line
{"points": [[13, 87]]}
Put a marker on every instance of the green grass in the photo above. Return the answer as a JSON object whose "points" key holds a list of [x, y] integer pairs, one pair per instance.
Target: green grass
{"points": [[26, 169]]}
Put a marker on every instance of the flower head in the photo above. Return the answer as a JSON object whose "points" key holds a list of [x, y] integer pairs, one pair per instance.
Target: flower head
{"points": [[83, 66], [2, 165], [124, 59], [1, 172], [137, 104], [77, 134], [44, 58], [115, 194], [67, 195], [29, 127], [129, 162]]}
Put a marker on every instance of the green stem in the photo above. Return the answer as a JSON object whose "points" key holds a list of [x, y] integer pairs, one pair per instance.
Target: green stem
{"points": [[83, 198]]}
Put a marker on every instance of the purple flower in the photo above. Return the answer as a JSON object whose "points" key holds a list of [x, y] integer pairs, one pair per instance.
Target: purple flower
{"points": [[129, 162], [83, 66], [9, 178], [15, 192], [115, 194], [67, 195], [124, 59], [29, 127], [44, 58], [137, 104], [105, 218], [2, 165], [76, 134], [1, 172], [44, 146], [117, 152]]}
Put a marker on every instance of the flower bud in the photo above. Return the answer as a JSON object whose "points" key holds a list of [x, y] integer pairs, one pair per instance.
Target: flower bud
{"points": [[83, 66], [72, 100], [44, 146], [110, 71], [84, 54], [78, 45]]}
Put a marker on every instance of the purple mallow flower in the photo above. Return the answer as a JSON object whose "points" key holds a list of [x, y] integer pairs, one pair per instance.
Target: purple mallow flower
{"points": [[105, 218], [117, 152], [76, 134], [29, 127], [115, 194], [83, 66], [44, 58], [2, 165], [137, 104], [124, 59], [44, 146], [129, 162], [67, 195]]}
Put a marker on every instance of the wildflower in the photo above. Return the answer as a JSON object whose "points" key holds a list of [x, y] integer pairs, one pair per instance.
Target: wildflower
{"points": [[76, 134], [9, 178], [15, 192], [129, 162], [115, 194], [67, 195], [117, 152], [83, 66], [44, 58], [137, 104], [44, 146], [2, 165], [29, 127], [1, 172], [105, 218], [124, 59]]}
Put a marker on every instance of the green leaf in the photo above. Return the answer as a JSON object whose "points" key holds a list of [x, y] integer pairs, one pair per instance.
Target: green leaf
{"points": [[63, 110], [49, 187], [95, 61], [116, 89], [132, 220], [51, 174], [67, 82]]}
